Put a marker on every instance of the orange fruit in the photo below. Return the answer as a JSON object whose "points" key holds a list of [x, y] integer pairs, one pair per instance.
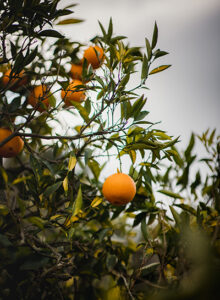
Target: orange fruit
{"points": [[71, 95], [76, 71], [94, 56], [39, 94], [119, 189], [12, 147], [14, 81]]}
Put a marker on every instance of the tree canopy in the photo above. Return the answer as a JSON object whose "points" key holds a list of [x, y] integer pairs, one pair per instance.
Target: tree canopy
{"points": [[60, 128]]}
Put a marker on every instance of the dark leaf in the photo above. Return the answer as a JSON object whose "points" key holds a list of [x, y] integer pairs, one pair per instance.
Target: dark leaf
{"points": [[155, 36], [144, 71], [51, 33], [51, 189]]}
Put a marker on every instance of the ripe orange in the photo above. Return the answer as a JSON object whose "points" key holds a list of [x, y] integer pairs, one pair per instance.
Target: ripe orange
{"points": [[71, 95], [41, 94], [14, 81], [12, 147], [119, 189], [94, 56], [76, 71]]}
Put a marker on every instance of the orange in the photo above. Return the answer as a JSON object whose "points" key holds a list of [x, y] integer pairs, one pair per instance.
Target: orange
{"points": [[94, 56], [12, 147], [71, 95], [39, 94], [14, 81], [76, 71], [119, 189]]}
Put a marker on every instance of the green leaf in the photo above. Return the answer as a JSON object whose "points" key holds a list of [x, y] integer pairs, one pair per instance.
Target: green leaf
{"points": [[63, 12], [161, 135], [51, 33], [138, 105], [159, 69], [95, 168], [111, 261], [36, 221], [141, 115], [82, 111], [170, 194], [187, 208], [176, 216], [138, 219], [159, 53], [13, 50], [187, 153], [52, 100], [102, 28], [88, 154], [110, 30], [51, 189], [124, 81], [171, 143], [78, 202], [148, 47], [70, 21], [19, 63], [155, 36], [30, 57], [144, 229], [210, 140], [144, 71], [35, 165], [14, 104]]}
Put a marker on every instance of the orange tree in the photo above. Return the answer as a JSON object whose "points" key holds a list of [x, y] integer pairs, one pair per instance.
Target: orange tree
{"points": [[59, 236]]}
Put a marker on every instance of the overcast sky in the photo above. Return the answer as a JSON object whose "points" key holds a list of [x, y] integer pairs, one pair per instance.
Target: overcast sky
{"points": [[184, 98]]}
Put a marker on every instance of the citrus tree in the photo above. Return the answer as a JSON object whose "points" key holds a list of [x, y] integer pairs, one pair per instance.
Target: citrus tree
{"points": [[67, 111]]}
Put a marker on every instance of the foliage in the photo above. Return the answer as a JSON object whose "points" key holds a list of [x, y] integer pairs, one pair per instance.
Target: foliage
{"points": [[59, 238]]}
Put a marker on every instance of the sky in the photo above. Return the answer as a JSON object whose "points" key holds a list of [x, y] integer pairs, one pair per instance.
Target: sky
{"points": [[185, 97]]}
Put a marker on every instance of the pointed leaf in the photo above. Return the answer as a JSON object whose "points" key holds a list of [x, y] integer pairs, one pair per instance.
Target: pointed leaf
{"points": [[148, 47], [78, 202], [159, 69], [144, 71], [51, 33], [51, 189], [65, 184], [96, 201], [70, 21], [155, 36], [72, 163], [176, 216], [170, 194]]}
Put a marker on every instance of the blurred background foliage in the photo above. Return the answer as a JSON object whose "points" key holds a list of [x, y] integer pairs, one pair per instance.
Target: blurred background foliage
{"points": [[59, 238]]}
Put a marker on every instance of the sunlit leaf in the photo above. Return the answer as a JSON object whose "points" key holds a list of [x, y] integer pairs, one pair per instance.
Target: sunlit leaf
{"points": [[70, 21], [78, 202], [72, 163], [96, 201], [159, 69], [65, 184]]}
